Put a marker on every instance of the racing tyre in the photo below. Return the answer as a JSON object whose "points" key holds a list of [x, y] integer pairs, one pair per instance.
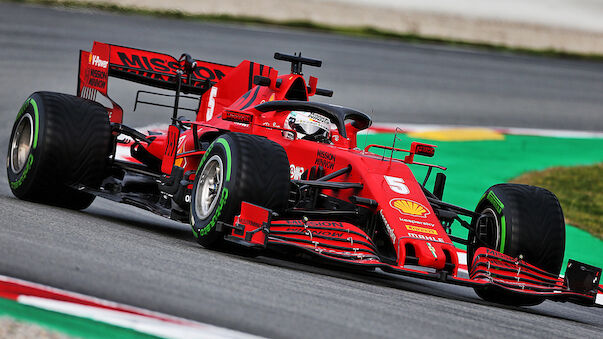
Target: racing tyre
{"points": [[527, 221], [58, 141], [236, 167]]}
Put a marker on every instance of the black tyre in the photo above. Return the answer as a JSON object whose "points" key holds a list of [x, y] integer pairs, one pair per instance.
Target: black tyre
{"points": [[237, 167], [528, 221], [58, 140]]}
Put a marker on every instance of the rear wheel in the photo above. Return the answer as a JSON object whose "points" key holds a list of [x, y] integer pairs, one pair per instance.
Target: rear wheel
{"points": [[235, 168], [58, 141], [523, 220]]}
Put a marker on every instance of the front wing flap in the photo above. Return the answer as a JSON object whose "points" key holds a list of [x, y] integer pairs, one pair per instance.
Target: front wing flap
{"points": [[580, 284]]}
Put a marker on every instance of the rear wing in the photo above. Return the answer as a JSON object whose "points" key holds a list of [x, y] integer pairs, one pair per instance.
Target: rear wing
{"points": [[145, 67]]}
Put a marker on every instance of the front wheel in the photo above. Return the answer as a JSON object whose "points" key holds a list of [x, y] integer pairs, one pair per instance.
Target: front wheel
{"points": [[519, 220], [236, 167]]}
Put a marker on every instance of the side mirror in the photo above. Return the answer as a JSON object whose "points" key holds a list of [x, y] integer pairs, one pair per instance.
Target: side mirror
{"points": [[422, 149], [419, 148]]}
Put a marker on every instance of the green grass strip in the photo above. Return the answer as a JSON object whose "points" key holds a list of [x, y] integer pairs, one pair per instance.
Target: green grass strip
{"points": [[67, 324], [367, 32]]}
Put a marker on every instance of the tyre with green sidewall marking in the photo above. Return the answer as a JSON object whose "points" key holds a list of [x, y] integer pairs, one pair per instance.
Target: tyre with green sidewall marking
{"points": [[528, 221], [58, 141], [236, 167]]}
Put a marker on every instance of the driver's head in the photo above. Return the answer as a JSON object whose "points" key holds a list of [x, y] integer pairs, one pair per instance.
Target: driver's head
{"points": [[309, 126]]}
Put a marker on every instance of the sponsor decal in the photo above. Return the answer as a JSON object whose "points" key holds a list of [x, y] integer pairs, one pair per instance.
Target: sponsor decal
{"points": [[238, 117], [139, 64], [318, 120], [389, 230], [328, 224], [421, 229], [207, 228], [396, 184], [19, 182], [432, 250], [424, 223], [293, 222], [425, 237], [96, 79], [325, 233], [95, 60], [274, 124], [214, 219], [498, 205], [23, 107], [250, 223], [30, 159], [295, 172], [409, 207], [316, 223], [325, 159]]}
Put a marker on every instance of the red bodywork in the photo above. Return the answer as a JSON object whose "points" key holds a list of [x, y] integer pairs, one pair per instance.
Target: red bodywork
{"points": [[229, 99]]}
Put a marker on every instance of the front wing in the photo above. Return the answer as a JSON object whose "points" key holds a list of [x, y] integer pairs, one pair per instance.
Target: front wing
{"points": [[344, 243]]}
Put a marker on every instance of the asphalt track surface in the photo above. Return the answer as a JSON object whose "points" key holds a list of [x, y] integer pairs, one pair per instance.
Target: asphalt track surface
{"points": [[124, 254]]}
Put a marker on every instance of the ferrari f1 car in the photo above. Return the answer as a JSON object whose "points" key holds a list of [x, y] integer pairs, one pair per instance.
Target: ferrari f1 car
{"points": [[263, 167]]}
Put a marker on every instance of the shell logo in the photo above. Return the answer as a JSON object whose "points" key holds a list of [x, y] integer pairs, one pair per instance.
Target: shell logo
{"points": [[409, 207]]}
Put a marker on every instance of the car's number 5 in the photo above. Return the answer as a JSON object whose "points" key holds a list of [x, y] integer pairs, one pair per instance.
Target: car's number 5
{"points": [[211, 104], [397, 184]]}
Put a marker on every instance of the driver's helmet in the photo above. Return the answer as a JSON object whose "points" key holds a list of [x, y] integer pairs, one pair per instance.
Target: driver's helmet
{"points": [[309, 126]]}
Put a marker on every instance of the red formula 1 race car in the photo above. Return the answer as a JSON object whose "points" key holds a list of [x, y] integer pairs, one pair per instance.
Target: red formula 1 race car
{"points": [[262, 167]]}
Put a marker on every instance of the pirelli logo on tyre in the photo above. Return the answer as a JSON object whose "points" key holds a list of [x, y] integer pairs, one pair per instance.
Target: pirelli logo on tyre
{"points": [[409, 207]]}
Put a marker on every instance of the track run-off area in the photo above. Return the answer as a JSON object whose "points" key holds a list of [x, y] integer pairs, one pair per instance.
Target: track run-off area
{"points": [[123, 254]]}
